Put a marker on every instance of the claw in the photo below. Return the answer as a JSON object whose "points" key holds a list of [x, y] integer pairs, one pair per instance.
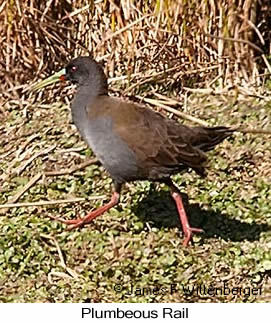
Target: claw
{"points": [[188, 231]]}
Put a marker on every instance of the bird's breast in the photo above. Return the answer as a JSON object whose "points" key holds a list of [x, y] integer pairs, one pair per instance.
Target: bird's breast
{"points": [[113, 152]]}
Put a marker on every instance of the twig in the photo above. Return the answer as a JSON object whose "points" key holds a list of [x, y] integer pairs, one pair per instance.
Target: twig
{"points": [[174, 111], [244, 91], [208, 91], [251, 24], [243, 41], [16, 197], [73, 169], [255, 131], [27, 142], [266, 63], [72, 273], [20, 168], [43, 203], [122, 30], [29, 161], [37, 177], [194, 119], [147, 78]]}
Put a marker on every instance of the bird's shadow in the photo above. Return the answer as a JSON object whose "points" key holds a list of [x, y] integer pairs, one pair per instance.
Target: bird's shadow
{"points": [[159, 209]]}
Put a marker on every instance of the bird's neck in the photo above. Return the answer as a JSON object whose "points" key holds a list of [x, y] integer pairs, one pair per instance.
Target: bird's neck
{"points": [[87, 92], [94, 85], [82, 103], [83, 99]]}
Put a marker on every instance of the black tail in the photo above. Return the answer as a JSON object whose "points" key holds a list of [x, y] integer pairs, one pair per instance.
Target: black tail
{"points": [[207, 138]]}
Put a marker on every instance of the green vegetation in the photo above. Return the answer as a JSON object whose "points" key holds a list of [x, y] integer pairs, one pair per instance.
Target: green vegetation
{"points": [[138, 243]]}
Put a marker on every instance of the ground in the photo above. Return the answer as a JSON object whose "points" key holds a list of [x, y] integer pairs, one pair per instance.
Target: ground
{"points": [[137, 245]]}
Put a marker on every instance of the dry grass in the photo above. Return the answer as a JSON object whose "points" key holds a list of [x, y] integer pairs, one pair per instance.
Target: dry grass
{"points": [[145, 44]]}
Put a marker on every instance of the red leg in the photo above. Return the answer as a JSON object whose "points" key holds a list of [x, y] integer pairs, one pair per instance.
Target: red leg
{"points": [[79, 222], [188, 231]]}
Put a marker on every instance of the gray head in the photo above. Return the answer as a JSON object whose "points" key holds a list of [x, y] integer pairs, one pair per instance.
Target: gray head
{"points": [[85, 72]]}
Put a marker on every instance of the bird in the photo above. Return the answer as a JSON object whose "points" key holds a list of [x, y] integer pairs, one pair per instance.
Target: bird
{"points": [[134, 142]]}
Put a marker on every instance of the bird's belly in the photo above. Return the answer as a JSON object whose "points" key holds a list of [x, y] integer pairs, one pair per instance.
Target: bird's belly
{"points": [[115, 155]]}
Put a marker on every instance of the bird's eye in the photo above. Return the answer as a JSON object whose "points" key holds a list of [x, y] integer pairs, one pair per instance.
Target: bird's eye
{"points": [[74, 68]]}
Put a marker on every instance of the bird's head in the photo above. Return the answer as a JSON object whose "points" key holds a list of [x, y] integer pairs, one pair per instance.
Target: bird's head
{"points": [[82, 71]]}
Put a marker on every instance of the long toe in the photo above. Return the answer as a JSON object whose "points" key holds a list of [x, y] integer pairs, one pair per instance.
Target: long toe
{"points": [[78, 224], [189, 233], [68, 222], [196, 230]]}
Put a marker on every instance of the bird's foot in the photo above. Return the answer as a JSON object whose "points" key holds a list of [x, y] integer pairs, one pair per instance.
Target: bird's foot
{"points": [[68, 222], [188, 233], [80, 222]]}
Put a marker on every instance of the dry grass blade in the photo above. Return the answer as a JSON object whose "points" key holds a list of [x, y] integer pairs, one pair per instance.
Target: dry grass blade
{"points": [[46, 203], [73, 169], [71, 273], [162, 104]]}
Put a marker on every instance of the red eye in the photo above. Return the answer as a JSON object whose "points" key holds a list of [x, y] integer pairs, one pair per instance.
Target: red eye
{"points": [[74, 69]]}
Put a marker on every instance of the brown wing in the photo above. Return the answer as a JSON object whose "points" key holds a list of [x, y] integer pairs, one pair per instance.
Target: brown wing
{"points": [[161, 145]]}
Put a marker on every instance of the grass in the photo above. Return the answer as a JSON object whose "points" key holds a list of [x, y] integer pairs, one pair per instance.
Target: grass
{"points": [[138, 243]]}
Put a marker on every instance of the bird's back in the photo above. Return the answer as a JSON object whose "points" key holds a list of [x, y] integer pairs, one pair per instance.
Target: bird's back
{"points": [[134, 142]]}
